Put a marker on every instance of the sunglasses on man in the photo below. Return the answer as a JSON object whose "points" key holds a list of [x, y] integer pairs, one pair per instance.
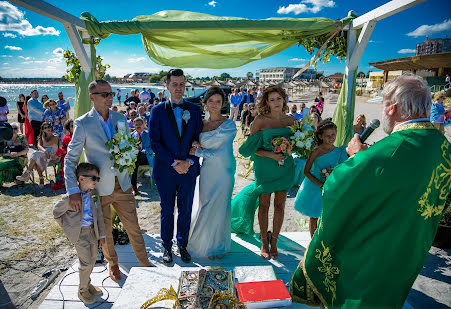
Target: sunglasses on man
{"points": [[105, 94], [93, 178]]}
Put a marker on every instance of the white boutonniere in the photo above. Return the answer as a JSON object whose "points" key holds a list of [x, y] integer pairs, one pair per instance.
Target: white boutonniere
{"points": [[186, 115]]}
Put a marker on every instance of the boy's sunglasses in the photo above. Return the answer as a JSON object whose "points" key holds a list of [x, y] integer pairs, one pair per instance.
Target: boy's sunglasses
{"points": [[105, 94], [93, 178]]}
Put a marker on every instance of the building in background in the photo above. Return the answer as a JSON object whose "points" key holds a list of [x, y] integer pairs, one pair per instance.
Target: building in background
{"points": [[433, 46], [283, 73], [336, 78], [376, 79], [138, 77]]}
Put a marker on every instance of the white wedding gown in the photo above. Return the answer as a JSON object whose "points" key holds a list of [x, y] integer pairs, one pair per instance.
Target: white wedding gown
{"points": [[210, 229]]}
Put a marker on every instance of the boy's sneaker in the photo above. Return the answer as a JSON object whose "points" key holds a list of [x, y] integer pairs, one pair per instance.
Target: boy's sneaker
{"points": [[94, 290], [86, 297]]}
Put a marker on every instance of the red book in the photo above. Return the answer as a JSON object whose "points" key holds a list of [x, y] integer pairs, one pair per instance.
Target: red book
{"points": [[263, 294]]}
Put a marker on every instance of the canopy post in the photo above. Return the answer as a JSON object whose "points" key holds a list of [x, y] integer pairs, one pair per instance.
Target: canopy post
{"points": [[81, 50], [350, 71]]}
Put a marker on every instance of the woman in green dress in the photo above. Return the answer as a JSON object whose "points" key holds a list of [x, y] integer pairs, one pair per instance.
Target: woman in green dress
{"points": [[274, 172]]}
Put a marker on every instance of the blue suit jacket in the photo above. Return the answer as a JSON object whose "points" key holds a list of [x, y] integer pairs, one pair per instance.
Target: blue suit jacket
{"points": [[145, 145], [167, 143]]}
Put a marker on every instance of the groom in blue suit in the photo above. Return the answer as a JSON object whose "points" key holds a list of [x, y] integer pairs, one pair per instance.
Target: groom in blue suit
{"points": [[174, 126]]}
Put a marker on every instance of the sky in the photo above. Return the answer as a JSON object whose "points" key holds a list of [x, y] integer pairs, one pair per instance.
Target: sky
{"points": [[31, 45]]}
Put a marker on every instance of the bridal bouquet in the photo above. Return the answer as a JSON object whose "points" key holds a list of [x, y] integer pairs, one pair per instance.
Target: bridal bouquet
{"points": [[123, 150], [282, 145], [302, 138]]}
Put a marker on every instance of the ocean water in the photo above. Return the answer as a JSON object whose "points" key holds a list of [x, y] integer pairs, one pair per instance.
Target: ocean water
{"points": [[11, 91]]}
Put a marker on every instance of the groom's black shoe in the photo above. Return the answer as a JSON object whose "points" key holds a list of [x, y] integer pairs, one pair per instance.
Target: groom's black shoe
{"points": [[167, 256], [185, 255]]}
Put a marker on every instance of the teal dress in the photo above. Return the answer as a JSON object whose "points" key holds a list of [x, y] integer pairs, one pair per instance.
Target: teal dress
{"points": [[309, 197], [269, 177]]}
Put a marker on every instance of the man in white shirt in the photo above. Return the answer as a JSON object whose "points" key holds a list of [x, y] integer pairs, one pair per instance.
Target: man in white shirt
{"points": [[144, 96]]}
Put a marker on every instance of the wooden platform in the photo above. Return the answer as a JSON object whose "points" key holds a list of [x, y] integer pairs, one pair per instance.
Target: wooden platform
{"points": [[244, 252]]}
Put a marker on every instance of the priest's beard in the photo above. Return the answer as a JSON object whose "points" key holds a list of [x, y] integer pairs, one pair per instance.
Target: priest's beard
{"points": [[387, 123]]}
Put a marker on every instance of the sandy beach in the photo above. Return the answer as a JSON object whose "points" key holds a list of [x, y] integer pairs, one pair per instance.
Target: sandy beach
{"points": [[31, 242]]}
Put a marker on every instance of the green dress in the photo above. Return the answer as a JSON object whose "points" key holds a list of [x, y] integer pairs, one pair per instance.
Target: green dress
{"points": [[269, 177], [381, 211]]}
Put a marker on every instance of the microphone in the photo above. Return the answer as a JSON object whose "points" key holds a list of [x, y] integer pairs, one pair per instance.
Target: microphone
{"points": [[374, 124]]}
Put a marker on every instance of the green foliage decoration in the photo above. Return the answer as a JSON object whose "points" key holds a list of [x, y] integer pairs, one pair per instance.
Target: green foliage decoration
{"points": [[335, 47], [74, 67]]}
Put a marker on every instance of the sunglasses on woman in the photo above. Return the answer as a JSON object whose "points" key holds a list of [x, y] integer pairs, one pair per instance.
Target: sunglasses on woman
{"points": [[105, 94], [93, 178], [45, 128]]}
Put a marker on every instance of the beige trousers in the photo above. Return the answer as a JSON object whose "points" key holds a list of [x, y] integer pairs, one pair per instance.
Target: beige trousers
{"points": [[125, 205], [86, 247], [234, 112]]}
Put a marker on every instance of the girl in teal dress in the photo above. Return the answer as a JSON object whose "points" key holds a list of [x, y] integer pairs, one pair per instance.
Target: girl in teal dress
{"points": [[270, 177], [324, 156]]}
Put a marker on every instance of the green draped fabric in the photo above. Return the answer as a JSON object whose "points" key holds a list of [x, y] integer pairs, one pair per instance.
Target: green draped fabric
{"points": [[82, 102], [344, 114], [195, 40]]}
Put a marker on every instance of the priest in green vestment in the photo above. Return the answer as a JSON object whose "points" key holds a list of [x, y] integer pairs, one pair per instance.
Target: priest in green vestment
{"points": [[381, 209]]}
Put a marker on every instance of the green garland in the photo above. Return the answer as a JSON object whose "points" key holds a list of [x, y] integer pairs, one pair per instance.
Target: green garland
{"points": [[337, 46]]}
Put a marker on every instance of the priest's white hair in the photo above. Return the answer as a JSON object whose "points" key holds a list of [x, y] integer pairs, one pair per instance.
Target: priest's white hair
{"points": [[411, 94]]}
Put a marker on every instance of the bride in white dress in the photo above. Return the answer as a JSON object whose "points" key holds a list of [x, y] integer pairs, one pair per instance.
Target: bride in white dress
{"points": [[210, 233]]}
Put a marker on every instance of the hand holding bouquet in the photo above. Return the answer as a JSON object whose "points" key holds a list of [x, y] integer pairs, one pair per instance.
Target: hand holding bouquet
{"points": [[302, 139], [282, 145], [325, 172], [123, 150]]}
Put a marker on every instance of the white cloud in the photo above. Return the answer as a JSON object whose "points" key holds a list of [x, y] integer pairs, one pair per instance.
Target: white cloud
{"points": [[50, 68], [34, 61], [212, 3], [5, 63], [297, 59], [406, 51], [24, 58], [317, 5], [135, 60], [12, 19], [58, 52], [13, 47], [293, 8], [9, 35], [4, 56], [431, 29], [58, 56], [301, 65]]}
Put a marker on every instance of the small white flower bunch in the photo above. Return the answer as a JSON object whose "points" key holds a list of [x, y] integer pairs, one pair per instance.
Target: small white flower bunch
{"points": [[302, 138], [123, 151]]}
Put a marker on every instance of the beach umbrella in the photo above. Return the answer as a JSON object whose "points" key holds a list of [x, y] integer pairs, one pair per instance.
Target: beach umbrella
{"points": [[212, 83], [247, 83], [229, 83]]}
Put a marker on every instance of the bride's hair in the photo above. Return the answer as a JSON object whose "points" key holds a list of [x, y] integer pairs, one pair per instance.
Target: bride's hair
{"points": [[212, 91]]}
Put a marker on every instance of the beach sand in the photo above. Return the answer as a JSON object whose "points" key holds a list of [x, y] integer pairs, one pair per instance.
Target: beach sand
{"points": [[31, 242]]}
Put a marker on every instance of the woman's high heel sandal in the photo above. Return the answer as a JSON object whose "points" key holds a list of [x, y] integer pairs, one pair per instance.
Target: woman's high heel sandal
{"points": [[273, 253], [265, 247]]}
